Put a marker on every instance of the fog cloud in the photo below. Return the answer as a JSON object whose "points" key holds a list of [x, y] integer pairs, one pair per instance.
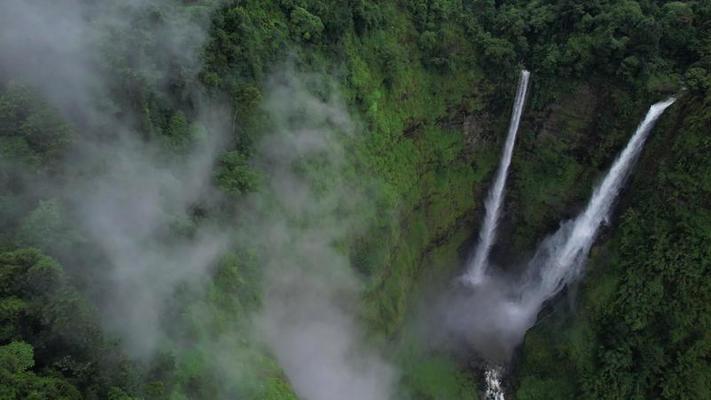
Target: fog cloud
{"points": [[127, 196], [309, 319]]}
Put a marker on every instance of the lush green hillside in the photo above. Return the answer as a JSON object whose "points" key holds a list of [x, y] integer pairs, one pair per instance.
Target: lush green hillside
{"points": [[429, 85], [639, 328]]}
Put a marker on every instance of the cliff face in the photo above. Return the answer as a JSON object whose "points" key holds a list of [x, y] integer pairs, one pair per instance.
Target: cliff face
{"points": [[568, 138], [635, 327], [565, 146]]}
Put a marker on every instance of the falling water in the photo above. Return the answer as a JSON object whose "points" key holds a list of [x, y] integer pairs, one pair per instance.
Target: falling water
{"points": [[477, 265], [560, 258], [558, 261], [494, 391]]}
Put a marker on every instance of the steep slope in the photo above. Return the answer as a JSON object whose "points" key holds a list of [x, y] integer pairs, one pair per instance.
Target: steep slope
{"points": [[640, 327], [429, 85]]}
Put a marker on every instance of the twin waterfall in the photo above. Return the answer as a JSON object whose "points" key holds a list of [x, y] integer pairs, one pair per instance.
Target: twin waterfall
{"points": [[478, 264], [559, 259]]}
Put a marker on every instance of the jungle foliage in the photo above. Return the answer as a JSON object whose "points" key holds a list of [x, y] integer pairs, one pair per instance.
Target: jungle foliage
{"points": [[431, 82]]}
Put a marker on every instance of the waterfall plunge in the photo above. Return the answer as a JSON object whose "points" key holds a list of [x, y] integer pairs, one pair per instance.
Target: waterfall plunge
{"points": [[476, 269], [493, 316], [494, 391], [559, 258]]}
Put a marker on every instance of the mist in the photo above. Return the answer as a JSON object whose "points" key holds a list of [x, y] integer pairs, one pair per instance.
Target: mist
{"points": [[136, 205], [126, 194], [309, 317], [61, 48], [491, 316], [486, 321]]}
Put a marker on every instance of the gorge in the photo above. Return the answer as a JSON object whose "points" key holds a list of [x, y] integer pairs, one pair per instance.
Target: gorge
{"points": [[361, 200], [557, 263]]}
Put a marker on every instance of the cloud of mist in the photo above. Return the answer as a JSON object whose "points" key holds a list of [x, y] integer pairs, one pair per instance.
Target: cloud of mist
{"points": [[131, 211], [487, 319], [126, 195], [48, 44], [62, 48], [309, 317]]}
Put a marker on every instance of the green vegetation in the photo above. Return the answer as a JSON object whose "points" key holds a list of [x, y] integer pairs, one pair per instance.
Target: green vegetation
{"points": [[429, 83], [641, 328]]}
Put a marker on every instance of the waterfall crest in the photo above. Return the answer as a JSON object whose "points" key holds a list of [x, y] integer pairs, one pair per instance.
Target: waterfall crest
{"points": [[477, 265]]}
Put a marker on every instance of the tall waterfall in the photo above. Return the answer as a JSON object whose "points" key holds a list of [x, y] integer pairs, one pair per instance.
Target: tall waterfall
{"points": [[493, 316], [560, 257], [478, 263]]}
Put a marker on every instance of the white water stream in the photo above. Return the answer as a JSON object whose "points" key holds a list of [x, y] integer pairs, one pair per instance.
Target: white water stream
{"points": [[560, 258], [494, 391], [477, 266]]}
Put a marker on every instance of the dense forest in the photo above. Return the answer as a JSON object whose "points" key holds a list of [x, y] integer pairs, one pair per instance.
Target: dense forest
{"points": [[244, 199]]}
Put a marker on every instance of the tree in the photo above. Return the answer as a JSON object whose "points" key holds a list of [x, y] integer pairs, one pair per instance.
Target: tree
{"points": [[307, 26], [18, 382], [28, 119], [235, 176], [46, 228]]}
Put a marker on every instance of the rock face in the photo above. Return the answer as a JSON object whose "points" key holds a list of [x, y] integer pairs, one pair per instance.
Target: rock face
{"points": [[474, 128], [569, 118]]}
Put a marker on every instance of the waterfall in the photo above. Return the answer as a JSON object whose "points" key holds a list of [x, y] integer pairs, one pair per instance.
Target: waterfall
{"points": [[494, 391], [477, 265], [560, 257], [492, 315]]}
